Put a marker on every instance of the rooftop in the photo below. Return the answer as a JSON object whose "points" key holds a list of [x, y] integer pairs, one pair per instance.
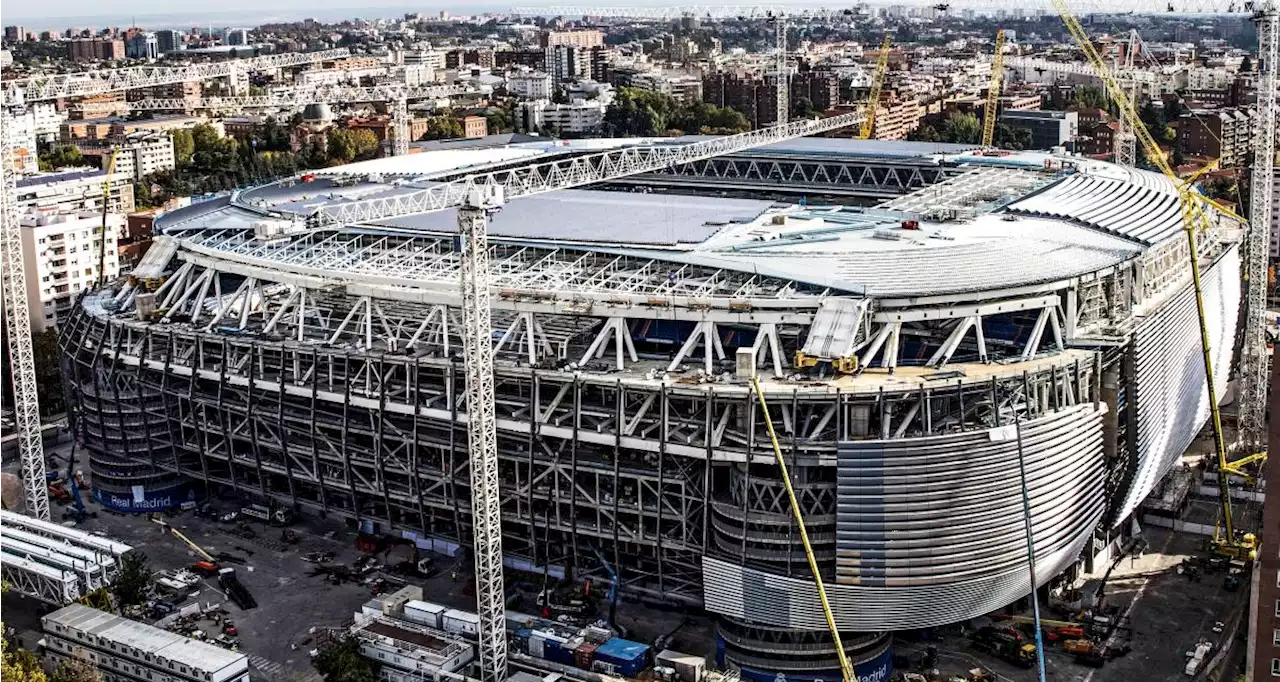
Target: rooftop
{"points": [[145, 638]]}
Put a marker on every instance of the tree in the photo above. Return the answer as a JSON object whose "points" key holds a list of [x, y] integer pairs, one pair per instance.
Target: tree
{"points": [[442, 128], [804, 108], [75, 670], [341, 661], [44, 347], [134, 580], [1090, 97], [962, 128], [1246, 65], [183, 147], [61, 156]]}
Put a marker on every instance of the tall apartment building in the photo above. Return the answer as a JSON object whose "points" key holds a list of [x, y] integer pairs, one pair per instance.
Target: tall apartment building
{"points": [[60, 255], [432, 59], [820, 88], [143, 45], [75, 190], [14, 34], [482, 57], [530, 85], [753, 96], [98, 48], [169, 40], [573, 62], [127, 651], [896, 118], [137, 154], [236, 36], [26, 157], [582, 116], [1223, 134], [585, 38], [533, 59]]}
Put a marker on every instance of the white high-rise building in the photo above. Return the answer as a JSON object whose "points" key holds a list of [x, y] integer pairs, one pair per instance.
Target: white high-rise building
{"points": [[530, 85], [61, 254]]}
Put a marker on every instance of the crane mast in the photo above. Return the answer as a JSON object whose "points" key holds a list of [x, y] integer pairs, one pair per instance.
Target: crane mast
{"points": [[1255, 361], [993, 92], [482, 434], [782, 98], [873, 97], [26, 402], [1126, 143], [13, 279]]}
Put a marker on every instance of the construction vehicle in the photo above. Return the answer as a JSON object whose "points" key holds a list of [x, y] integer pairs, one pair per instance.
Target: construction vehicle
{"points": [[1243, 548], [1005, 643], [73, 482], [1086, 652]]}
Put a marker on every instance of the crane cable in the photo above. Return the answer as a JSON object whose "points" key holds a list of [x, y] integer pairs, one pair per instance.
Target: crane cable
{"points": [[845, 666]]}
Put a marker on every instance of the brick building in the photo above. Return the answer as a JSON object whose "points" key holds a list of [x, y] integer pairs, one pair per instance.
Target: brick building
{"points": [[1223, 134], [94, 49], [586, 38], [819, 87]]}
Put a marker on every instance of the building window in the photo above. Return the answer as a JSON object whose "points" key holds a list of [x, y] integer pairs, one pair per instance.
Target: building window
{"points": [[1275, 667]]}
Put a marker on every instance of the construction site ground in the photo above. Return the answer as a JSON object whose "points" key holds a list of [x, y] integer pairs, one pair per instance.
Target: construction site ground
{"points": [[277, 635], [1168, 614]]}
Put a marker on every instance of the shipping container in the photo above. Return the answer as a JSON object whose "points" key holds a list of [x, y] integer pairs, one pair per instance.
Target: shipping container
{"points": [[425, 613], [584, 655], [461, 622], [537, 645], [628, 658], [690, 668]]}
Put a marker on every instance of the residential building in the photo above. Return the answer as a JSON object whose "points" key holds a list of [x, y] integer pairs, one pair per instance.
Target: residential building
{"points": [[169, 40], [74, 190], [682, 87], [14, 34], [530, 85], [1097, 138], [585, 38], [236, 36], [897, 117], [98, 106], [381, 127], [567, 62], [822, 89], [432, 59], [1223, 134], [474, 126], [482, 57], [533, 59], [133, 243], [575, 118], [137, 154], [46, 120], [143, 45], [26, 157], [1048, 128], [1020, 102], [124, 650], [98, 48], [60, 254], [1275, 221]]}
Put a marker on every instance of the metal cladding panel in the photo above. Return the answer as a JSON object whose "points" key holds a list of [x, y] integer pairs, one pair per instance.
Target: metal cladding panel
{"points": [[930, 530], [1171, 397]]}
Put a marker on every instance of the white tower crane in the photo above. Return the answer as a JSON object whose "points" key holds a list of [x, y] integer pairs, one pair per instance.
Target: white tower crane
{"points": [[17, 93], [1126, 142], [1254, 362], [778, 17], [476, 197]]}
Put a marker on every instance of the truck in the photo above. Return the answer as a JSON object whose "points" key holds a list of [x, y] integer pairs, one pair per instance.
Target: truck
{"points": [[1005, 643]]}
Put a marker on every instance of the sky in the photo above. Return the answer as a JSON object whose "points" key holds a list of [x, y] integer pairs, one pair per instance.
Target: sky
{"points": [[41, 15]]}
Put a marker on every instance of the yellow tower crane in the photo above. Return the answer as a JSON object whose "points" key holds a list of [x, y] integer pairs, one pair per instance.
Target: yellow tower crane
{"points": [[993, 92], [873, 98], [1195, 219]]}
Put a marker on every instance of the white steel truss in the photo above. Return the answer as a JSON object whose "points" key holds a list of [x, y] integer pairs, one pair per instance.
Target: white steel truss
{"points": [[1255, 360], [296, 97], [26, 404], [39, 581], [572, 172], [1133, 75], [55, 86], [482, 435]]}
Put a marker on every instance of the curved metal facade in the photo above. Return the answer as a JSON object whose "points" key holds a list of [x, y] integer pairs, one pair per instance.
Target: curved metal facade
{"points": [[930, 530]]}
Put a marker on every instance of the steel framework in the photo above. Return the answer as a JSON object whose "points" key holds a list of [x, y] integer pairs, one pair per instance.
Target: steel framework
{"points": [[86, 83], [12, 273], [571, 172], [295, 97]]}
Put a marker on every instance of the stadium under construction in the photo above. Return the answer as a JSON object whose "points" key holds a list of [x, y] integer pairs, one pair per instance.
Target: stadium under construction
{"points": [[925, 320]]}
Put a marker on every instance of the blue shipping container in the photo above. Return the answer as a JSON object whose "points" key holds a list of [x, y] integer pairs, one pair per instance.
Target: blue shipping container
{"points": [[555, 651], [629, 658]]}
